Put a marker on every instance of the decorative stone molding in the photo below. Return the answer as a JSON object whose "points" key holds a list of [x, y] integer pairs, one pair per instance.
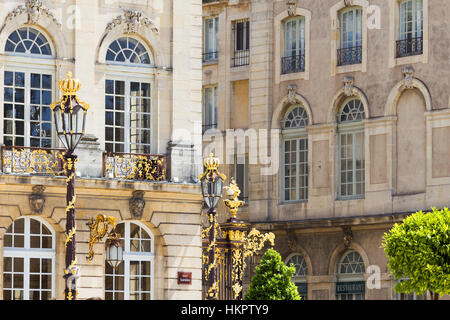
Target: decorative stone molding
{"points": [[37, 199], [291, 7], [292, 240], [132, 20], [348, 236], [408, 77], [34, 10], [292, 93], [137, 204], [348, 86], [348, 3]]}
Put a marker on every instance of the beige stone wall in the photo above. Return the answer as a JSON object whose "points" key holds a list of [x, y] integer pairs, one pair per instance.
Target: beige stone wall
{"points": [[171, 213], [405, 130], [80, 33]]}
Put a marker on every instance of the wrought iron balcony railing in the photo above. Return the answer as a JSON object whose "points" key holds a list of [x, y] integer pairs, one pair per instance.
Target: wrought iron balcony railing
{"points": [[241, 58], [409, 47], [133, 166], [351, 55], [206, 127], [36, 161], [293, 64], [210, 56]]}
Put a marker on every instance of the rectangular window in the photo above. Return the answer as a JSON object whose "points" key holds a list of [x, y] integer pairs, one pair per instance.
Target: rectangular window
{"points": [[350, 51], [128, 116], [209, 108], [211, 40], [241, 175], [295, 169], [27, 118], [241, 43], [351, 165], [410, 40], [294, 46]]}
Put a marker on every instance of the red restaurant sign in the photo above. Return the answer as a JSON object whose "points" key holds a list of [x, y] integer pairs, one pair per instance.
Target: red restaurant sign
{"points": [[184, 277]]}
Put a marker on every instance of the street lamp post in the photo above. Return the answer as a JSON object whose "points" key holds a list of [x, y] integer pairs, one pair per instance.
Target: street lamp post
{"points": [[212, 185], [70, 120]]}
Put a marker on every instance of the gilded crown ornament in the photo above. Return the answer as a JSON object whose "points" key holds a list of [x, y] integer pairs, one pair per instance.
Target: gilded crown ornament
{"points": [[69, 86], [211, 165]]}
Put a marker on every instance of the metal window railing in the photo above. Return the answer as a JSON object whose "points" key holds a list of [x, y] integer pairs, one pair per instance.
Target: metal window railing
{"points": [[134, 166], [35, 161], [210, 56], [241, 58], [409, 47], [293, 64], [348, 56]]}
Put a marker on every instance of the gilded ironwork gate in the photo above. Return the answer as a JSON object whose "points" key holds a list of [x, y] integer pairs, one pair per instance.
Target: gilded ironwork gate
{"points": [[233, 244]]}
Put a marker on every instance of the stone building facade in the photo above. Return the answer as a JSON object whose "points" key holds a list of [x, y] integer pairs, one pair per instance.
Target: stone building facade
{"points": [[356, 95], [139, 63]]}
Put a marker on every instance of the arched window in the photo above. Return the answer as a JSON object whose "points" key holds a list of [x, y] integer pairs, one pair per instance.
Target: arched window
{"points": [[351, 149], [299, 277], [350, 51], [350, 284], [133, 278], [128, 50], [28, 260], [128, 99], [28, 92], [28, 40], [297, 118], [294, 45], [295, 155]]}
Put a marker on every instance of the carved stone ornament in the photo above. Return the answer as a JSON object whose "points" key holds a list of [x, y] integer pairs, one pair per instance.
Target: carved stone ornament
{"points": [[292, 92], [132, 20], [34, 10], [37, 199], [348, 3], [137, 204], [348, 86], [348, 236], [291, 7], [291, 240], [408, 77]]}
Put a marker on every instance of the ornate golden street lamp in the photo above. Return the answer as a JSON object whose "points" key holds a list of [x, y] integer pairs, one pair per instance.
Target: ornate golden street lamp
{"points": [[70, 121], [212, 185], [98, 229]]}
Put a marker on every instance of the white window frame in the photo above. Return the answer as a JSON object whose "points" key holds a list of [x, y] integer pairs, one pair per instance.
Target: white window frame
{"points": [[212, 121], [356, 26], [28, 253], [299, 36], [352, 129], [128, 79], [27, 100], [28, 64], [297, 134], [137, 256], [416, 8], [350, 277], [244, 185], [299, 278], [211, 41]]}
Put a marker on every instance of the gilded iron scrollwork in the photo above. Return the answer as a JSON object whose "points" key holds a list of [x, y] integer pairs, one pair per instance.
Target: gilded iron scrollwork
{"points": [[135, 167], [32, 160], [98, 229]]}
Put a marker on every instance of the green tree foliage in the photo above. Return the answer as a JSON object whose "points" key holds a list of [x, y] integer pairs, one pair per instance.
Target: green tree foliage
{"points": [[418, 251], [272, 280]]}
